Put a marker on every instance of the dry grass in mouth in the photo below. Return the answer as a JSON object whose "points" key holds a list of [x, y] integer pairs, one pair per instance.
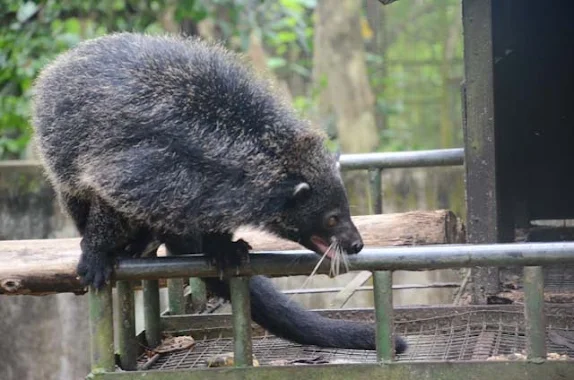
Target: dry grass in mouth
{"points": [[339, 257]]}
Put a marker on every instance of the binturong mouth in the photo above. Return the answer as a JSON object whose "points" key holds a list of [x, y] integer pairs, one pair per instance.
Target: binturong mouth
{"points": [[334, 251], [322, 247]]}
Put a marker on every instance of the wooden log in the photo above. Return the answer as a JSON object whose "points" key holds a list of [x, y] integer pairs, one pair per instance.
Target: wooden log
{"points": [[39, 267]]}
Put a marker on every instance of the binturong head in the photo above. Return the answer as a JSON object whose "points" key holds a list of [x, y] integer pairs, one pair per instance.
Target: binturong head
{"points": [[323, 221], [316, 213]]}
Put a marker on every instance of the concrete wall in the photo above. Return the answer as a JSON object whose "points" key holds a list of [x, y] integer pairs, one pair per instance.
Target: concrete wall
{"points": [[46, 338], [40, 337]]}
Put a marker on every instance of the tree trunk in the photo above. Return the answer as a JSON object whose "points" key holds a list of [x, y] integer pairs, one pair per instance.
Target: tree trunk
{"points": [[339, 57], [377, 18], [453, 30], [340, 70]]}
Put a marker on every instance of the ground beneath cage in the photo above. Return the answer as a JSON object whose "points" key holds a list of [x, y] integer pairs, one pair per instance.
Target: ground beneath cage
{"points": [[558, 284]]}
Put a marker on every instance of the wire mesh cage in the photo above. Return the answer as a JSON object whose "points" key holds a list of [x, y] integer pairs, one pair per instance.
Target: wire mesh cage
{"points": [[455, 335]]}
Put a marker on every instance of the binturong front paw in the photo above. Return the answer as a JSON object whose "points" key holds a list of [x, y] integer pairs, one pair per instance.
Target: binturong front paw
{"points": [[94, 269], [230, 254]]}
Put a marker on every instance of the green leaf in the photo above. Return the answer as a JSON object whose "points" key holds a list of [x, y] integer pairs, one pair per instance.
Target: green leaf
{"points": [[309, 3], [73, 26], [119, 5], [286, 36], [276, 62], [294, 5], [26, 11]]}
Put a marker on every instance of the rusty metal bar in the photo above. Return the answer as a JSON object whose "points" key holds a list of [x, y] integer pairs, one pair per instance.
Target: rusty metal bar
{"points": [[302, 262], [358, 161], [534, 312], [127, 330], [369, 288], [508, 370], [375, 178], [101, 329], [408, 159], [176, 300], [483, 225], [383, 294], [198, 293], [241, 309], [151, 312]]}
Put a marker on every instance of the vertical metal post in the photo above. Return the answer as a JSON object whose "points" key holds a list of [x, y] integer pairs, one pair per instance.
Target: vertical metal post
{"points": [[198, 293], [241, 308], [127, 333], [375, 178], [175, 296], [151, 312], [101, 329], [534, 312], [483, 224], [383, 294]]}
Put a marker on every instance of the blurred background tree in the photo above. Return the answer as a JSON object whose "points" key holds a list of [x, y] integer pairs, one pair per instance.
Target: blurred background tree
{"points": [[401, 64]]}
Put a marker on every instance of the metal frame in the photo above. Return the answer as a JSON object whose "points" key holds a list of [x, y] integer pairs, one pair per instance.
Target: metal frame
{"points": [[484, 223], [382, 261], [302, 262], [375, 163], [392, 371]]}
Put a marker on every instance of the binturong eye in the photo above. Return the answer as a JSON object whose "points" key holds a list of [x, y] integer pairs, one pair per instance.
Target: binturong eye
{"points": [[332, 221]]}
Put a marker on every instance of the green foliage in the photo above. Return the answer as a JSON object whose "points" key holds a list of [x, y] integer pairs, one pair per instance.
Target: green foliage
{"points": [[32, 33], [283, 25], [415, 83], [419, 94]]}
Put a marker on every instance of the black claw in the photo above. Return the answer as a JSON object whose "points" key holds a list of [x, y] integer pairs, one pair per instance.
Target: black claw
{"points": [[229, 254], [94, 270]]}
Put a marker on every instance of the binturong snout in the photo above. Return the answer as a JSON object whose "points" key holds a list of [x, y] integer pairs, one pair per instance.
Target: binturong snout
{"points": [[350, 239]]}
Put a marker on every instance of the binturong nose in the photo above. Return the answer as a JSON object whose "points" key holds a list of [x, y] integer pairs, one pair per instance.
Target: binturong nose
{"points": [[357, 246]]}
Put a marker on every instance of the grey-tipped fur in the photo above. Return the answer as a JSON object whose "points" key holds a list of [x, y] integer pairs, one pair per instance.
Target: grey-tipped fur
{"points": [[165, 139]]}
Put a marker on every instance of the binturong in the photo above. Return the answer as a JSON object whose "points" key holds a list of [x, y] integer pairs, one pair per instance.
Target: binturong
{"points": [[151, 140]]}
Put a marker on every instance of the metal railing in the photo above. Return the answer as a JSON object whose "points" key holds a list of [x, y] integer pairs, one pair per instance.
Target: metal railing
{"points": [[376, 163], [382, 261]]}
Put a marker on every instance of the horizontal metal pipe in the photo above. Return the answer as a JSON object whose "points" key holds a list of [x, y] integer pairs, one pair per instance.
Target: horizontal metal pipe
{"points": [[409, 159], [383, 160], [365, 288], [389, 258]]}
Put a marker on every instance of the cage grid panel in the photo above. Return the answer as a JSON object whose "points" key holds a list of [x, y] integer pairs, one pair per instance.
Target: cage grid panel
{"points": [[476, 336]]}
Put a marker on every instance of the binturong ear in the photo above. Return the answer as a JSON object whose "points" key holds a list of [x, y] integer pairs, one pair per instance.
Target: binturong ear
{"points": [[301, 191]]}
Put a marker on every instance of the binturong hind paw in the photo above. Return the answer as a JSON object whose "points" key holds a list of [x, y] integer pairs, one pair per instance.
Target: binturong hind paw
{"points": [[94, 269]]}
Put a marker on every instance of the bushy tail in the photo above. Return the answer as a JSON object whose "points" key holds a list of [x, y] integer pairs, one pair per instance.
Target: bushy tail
{"points": [[276, 313]]}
